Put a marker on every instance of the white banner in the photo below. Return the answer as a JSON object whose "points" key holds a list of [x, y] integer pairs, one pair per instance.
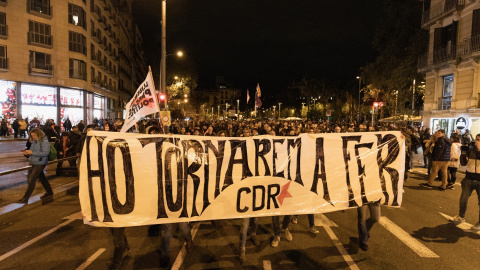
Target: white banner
{"points": [[131, 179], [144, 102]]}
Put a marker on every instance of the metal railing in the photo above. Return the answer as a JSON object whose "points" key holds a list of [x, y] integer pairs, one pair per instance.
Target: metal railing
{"points": [[28, 167], [443, 8], [444, 103]]}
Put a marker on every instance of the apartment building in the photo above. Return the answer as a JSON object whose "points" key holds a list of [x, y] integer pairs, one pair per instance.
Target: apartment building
{"points": [[451, 66], [61, 59]]}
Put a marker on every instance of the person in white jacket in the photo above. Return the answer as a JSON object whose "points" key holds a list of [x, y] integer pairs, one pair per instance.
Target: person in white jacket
{"points": [[455, 153]]}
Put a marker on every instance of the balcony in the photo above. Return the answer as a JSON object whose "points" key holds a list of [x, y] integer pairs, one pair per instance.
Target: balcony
{"points": [[439, 57], [96, 59], [39, 40], [102, 22], [444, 103], [39, 10], [3, 64], [102, 45], [96, 81], [440, 10], [97, 35], [96, 12], [104, 64], [40, 70], [116, 41], [109, 30], [124, 71], [471, 46]]}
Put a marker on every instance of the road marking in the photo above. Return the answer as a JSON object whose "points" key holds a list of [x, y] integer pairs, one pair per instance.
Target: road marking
{"points": [[407, 239], [341, 249], [91, 259], [267, 265], [464, 225], [12, 252], [322, 220], [183, 252]]}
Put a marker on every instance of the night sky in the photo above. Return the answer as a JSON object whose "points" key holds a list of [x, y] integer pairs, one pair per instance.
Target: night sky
{"points": [[273, 42]]}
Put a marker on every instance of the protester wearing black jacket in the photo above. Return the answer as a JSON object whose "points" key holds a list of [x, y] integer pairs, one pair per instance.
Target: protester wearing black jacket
{"points": [[440, 159]]}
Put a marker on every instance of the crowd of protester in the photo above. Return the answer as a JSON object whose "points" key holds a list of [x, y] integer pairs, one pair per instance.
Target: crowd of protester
{"points": [[442, 157]]}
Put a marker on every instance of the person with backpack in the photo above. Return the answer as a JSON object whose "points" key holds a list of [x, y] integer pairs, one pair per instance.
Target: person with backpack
{"points": [[38, 158]]}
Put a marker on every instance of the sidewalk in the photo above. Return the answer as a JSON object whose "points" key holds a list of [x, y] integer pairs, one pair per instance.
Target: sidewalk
{"points": [[10, 194]]}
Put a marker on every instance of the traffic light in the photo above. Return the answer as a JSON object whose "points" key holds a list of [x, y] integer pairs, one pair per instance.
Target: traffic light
{"points": [[162, 98]]}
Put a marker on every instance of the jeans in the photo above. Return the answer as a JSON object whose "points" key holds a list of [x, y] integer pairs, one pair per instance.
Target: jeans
{"points": [[436, 167], [244, 230], [468, 186], [166, 232], [276, 224], [34, 173], [364, 224], [452, 175], [120, 243]]}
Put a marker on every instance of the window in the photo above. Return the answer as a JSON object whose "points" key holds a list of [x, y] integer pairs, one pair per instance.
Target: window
{"points": [[39, 60], [40, 7], [3, 25], [92, 74], [77, 42], [3, 3], [76, 16], [3, 57], [39, 34], [77, 69], [447, 91]]}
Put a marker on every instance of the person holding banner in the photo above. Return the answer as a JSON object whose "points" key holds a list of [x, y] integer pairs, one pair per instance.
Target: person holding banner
{"points": [[364, 224], [245, 224]]}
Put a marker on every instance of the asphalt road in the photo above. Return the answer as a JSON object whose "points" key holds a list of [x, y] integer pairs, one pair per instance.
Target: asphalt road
{"points": [[415, 236]]}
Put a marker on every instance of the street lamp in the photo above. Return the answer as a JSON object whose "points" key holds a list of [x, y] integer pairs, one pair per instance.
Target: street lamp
{"points": [[359, 87], [279, 110], [274, 110], [238, 106], [396, 101]]}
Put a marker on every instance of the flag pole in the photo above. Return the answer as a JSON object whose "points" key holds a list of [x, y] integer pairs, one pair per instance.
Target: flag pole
{"points": [[156, 96]]}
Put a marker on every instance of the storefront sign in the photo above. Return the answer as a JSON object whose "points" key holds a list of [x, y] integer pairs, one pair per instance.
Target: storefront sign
{"points": [[71, 97], [461, 123], [129, 179], [34, 94]]}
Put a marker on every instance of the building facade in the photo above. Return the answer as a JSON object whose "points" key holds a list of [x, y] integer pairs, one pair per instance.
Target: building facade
{"points": [[62, 59], [451, 65]]}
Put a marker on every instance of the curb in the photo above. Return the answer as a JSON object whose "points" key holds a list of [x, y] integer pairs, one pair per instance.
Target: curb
{"points": [[35, 201]]}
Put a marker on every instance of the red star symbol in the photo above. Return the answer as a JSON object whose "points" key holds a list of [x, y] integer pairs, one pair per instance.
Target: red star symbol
{"points": [[284, 193]]}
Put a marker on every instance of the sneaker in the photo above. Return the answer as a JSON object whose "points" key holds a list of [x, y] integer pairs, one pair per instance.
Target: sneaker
{"points": [[275, 241], [451, 186], [23, 200], [427, 185], [314, 230], [457, 219], [46, 195], [287, 235], [475, 227], [442, 188], [255, 241], [363, 247], [294, 220]]}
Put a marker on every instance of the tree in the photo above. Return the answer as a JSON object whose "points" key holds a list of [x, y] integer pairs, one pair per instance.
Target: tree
{"points": [[399, 41]]}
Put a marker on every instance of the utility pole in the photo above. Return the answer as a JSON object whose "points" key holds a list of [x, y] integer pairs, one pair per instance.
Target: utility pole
{"points": [[163, 73], [413, 97]]}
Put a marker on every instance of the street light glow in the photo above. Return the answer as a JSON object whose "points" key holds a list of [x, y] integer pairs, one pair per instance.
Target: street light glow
{"points": [[179, 53]]}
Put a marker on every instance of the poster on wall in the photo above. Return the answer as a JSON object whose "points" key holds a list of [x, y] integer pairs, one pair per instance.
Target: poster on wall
{"points": [[8, 99]]}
